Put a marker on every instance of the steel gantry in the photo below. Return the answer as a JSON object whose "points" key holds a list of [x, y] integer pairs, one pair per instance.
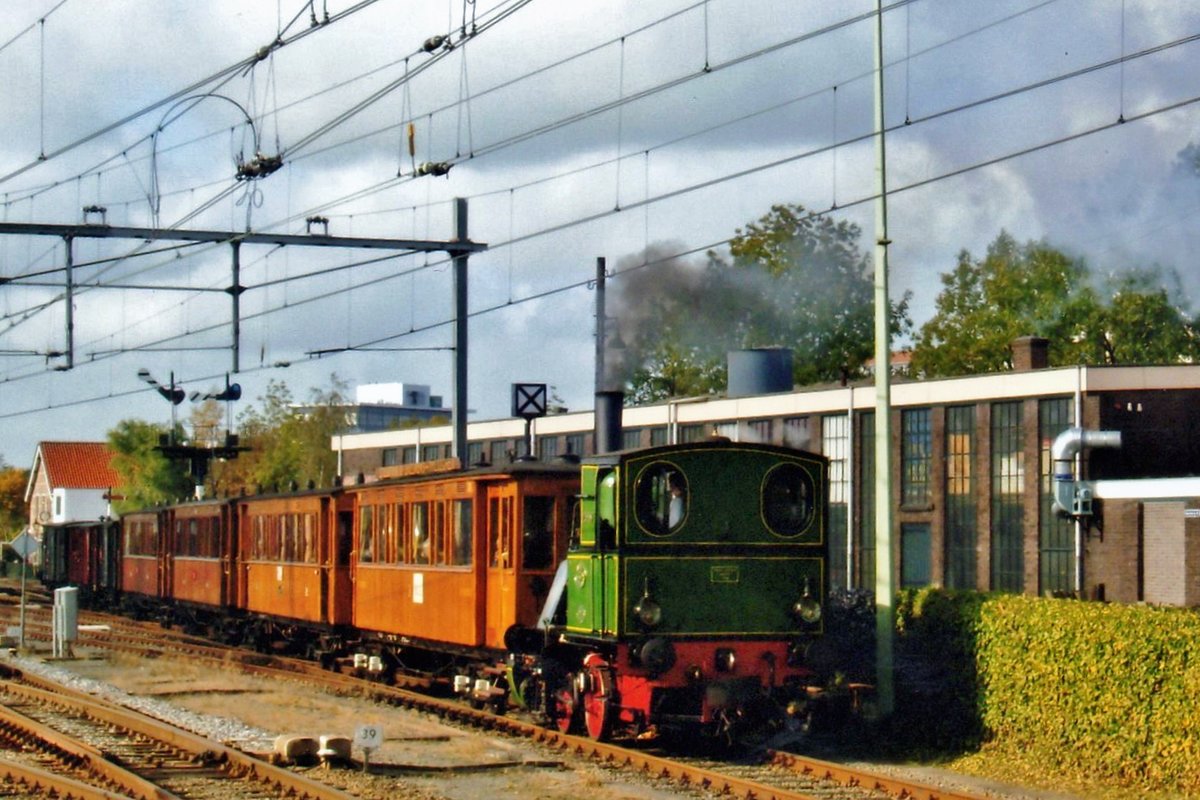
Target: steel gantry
{"points": [[459, 249]]}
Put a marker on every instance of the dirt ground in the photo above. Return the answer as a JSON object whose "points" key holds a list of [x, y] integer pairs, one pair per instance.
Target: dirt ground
{"points": [[421, 757]]}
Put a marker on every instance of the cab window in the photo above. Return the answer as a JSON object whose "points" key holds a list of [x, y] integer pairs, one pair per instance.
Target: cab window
{"points": [[788, 500], [606, 510], [661, 494]]}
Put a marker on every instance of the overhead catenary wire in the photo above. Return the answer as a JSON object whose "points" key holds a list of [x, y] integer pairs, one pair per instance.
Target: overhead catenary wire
{"points": [[31, 26], [1028, 87], [690, 251], [982, 101], [217, 77]]}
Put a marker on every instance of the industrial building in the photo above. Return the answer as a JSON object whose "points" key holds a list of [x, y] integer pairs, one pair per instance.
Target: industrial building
{"points": [[972, 471]]}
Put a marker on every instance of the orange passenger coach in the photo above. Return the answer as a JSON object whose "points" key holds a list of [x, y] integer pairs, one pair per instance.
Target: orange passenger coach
{"points": [[457, 558]]}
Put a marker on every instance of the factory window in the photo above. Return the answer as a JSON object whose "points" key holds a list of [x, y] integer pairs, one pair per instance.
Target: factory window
{"points": [[1008, 479], [760, 431], [835, 445], [409, 455], [796, 433], [916, 457], [961, 536], [727, 430], [1056, 535], [547, 447], [658, 436], [390, 457], [474, 452], [575, 444], [915, 555], [866, 553], [692, 433], [431, 452], [498, 452], [631, 438], [788, 500]]}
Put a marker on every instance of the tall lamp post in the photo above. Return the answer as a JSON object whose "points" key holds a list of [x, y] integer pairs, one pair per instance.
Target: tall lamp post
{"points": [[884, 580]]}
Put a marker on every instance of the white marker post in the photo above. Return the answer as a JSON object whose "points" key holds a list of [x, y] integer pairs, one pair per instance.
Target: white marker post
{"points": [[23, 545], [369, 738]]}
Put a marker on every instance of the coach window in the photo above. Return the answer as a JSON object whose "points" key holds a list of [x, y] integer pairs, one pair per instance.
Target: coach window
{"points": [[787, 500], [310, 539], [462, 532], [387, 549], [366, 539], [260, 539], [537, 538], [437, 533], [661, 494], [420, 533], [500, 523]]}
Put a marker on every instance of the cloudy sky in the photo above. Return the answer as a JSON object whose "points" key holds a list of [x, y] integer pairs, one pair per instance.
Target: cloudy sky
{"points": [[574, 130]]}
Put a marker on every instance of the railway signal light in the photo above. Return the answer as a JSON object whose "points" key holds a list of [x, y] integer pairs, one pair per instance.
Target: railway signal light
{"points": [[172, 393], [233, 391]]}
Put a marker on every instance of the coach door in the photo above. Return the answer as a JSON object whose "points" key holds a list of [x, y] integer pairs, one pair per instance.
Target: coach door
{"points": [[500, 524], [340, 597]]}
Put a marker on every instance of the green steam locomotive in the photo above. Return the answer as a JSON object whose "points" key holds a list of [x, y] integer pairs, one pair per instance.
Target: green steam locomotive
{"points": [[690, 597]]}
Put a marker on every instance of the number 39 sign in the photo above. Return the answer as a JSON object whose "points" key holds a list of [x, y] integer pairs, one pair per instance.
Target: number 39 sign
{"points": [[368, 737]]}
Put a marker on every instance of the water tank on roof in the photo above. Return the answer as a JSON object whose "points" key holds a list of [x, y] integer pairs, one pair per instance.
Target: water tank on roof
{"points": [[762, 370]]}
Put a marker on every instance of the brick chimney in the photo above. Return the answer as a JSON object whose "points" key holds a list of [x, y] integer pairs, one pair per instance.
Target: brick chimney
{"points": [[1030, 352]]}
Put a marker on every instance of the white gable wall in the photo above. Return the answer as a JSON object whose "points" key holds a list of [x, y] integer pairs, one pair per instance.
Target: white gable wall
{"points": [[78, 505]]}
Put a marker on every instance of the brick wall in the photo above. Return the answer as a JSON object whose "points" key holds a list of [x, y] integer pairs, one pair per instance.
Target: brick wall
{"points": [[1165, 548], [1113, 554]]}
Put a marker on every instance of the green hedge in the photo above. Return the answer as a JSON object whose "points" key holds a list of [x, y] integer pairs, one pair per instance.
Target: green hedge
{"points": [[1107, 692]]}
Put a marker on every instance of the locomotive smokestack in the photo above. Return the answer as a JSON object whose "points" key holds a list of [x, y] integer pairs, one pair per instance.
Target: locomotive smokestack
{"points": [[608, 432]]}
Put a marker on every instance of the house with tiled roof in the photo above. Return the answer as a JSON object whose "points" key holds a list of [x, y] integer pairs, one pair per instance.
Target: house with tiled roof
{"points": [[69, 482]]}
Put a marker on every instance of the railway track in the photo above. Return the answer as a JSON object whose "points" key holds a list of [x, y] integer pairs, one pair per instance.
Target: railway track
{"points": [[87, 747], [776, 776]]}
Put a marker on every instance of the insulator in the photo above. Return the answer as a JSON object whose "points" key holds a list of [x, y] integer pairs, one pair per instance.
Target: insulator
{"points": [[435, 168]]}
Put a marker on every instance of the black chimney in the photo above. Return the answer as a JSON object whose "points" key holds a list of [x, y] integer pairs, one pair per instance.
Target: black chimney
{"points": [[608, 421]]}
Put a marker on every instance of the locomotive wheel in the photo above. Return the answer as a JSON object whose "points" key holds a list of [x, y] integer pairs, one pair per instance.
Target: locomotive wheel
{"points": [[564, 706], [598, 708]]}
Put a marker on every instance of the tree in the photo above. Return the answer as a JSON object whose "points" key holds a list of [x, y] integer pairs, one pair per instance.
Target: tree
{"points": [[794, 279], [288, 442], [147, 477], [207, 420], [13, 515], [1142, 324], [1034, 289]]}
